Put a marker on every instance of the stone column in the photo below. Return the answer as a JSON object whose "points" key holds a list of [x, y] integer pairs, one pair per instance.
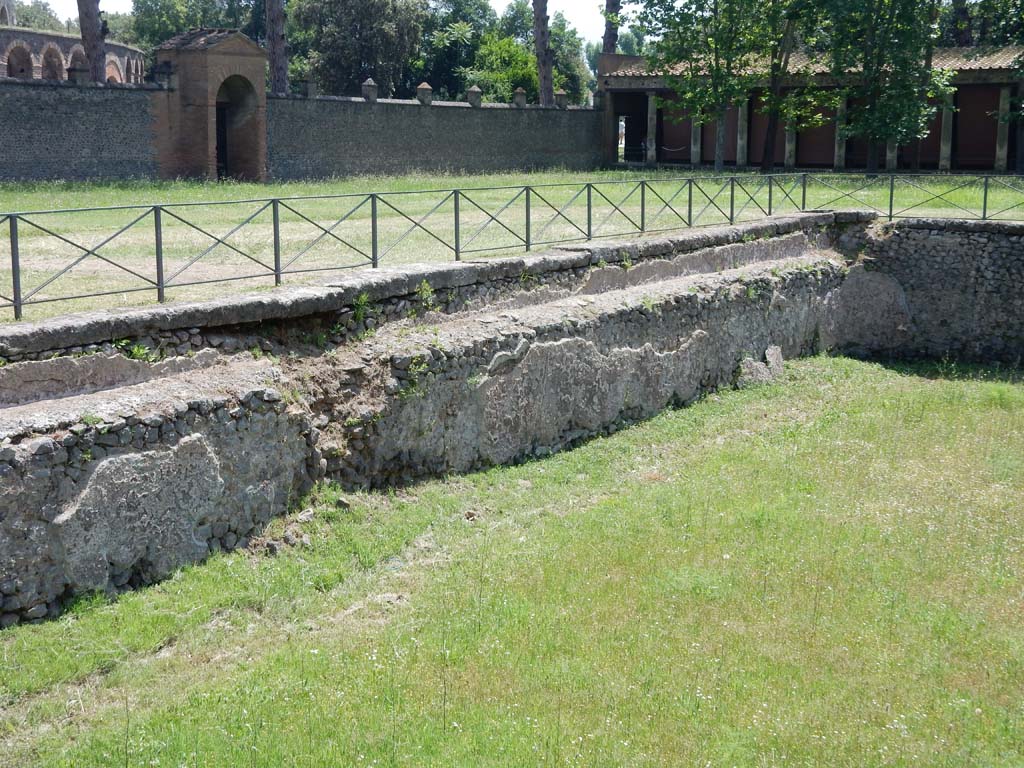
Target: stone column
{"points": [[652, 128], [695, 142], [742, 116], [370, 90], [839, 158], [892, 154], [1003, 130], [790, 160], [425, 94], [946, 139]]}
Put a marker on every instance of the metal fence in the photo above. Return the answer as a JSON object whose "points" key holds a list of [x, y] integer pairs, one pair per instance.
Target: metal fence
{"points": [[74, 257]]}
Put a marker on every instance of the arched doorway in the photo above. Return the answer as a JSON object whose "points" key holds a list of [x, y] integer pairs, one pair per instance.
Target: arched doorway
{"points": [[113, 72], [237, 130], [78, 59], [5, 16], [53, 65], [19, 63]]}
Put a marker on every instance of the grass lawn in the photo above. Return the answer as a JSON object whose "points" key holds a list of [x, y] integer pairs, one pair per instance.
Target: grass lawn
{"points": [[824, 571], [195, 266]]}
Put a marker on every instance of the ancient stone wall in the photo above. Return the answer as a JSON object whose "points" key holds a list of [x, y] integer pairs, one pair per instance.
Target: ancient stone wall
{"points": [[59, 130], [115, 471], [935, 288], [321, 137]]}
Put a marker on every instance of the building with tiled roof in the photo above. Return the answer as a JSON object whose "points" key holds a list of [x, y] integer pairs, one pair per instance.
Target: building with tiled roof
{"points": [[970, 133]]}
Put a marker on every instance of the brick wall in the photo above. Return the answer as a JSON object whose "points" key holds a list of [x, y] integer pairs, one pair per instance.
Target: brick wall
{"points": [[311, 138], [59, 130]]}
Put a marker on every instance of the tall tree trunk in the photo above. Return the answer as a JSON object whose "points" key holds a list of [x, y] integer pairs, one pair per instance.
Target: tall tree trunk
{"points": [[926, 76], [545, 56], [768, 154], [276, 47], [611, 26], [92, 39], [779, 68], [720, 140], [962, 24]]}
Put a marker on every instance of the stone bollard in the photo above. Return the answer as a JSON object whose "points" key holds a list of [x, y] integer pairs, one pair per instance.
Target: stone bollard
{"points": [[475, 96], [561, 99], [519, 98], [425, 94], [370, 89], [311, 90]]}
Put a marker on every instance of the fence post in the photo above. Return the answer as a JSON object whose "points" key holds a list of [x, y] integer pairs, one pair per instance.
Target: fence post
{"points": [[458, 233], [643, 205], [769, 195], [15, 267], [689, 202], [276, 206], [158, 236], [529, 224], [732, 199], [590, 211], [892, 192], [803, 192], [373, 231], [984, 200]]}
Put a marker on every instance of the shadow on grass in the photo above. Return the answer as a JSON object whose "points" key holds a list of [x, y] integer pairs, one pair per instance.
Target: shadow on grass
{"points": [[948, 369]]}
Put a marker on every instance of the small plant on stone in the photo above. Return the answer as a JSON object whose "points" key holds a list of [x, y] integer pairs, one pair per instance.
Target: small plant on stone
{"points": [[361, 308], [91, 419], [256, 353], [414, 388], [627, 263], [425, 293], [650, 305], [526, 279], [143, 353], [601, 263], [86, 455]]}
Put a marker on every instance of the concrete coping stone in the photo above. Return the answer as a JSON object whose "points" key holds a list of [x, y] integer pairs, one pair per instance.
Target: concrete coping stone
{"points": [[96, 327]]}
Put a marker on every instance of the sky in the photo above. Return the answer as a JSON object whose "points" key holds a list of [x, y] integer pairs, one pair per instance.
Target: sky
{"points": [[585, 15]]}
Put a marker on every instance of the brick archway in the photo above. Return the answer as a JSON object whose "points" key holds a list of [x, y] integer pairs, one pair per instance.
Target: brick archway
{"points": [[236, 130], [52, 64], [19, 63]]}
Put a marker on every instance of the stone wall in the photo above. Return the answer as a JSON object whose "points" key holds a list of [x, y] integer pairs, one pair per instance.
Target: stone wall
{"points": [[934, 288], [115, 471], [321, 137], [59, 130]]}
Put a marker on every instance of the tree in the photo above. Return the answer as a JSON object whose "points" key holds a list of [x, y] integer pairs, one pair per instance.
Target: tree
{"points": [[37, 14], [570, 69], [878, 51], [277, 53], [351, 40], [545, 55], [707, 48], [610, 41], [92, 39], [500, 67], [517, 22], [452, 34]]}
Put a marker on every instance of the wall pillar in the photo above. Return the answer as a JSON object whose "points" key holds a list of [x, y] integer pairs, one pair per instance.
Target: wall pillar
{"points": [[790, 160], [610, 128], [742, 118], [839, 156], [695, 137], [1003, 130], [946, 139], [652, 128], [892, 154]]}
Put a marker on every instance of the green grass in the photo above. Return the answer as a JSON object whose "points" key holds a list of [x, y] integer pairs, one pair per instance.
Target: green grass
{"points": [[616, 211], [825, 571]]}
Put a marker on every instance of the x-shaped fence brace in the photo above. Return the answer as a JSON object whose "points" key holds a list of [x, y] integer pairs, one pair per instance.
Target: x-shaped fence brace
{"points": [[324, 233], [560, 214], [848, 195], [710, 201], [667, 204], [617, 208], [935, 196], [418, 223], [495, 218]]}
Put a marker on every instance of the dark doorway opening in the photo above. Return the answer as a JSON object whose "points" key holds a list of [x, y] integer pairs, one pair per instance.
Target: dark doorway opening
{"points": [[237, 130]]}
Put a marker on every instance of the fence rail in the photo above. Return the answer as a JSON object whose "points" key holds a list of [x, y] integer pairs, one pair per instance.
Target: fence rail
{"points": [[75, 256]]}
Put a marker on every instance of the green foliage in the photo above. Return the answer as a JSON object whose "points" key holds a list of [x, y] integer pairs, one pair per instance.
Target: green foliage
{"points": [[425, 294], [361, 307], [500, 67], [887, 43], [349, 41], [157, 20], [38, 14]]}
